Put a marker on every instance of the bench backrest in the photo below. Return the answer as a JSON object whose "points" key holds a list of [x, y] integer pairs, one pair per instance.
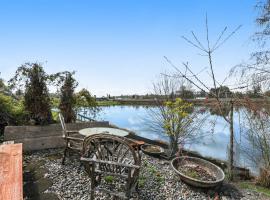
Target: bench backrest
{"points": [[62, 120], [111, 154]]}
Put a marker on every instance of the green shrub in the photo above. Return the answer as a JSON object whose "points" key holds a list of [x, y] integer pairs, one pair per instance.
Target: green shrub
{"points": [[11, 112], [36, 95], [67, 98]]}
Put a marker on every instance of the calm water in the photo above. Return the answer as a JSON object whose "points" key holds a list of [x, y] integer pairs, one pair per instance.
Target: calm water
{"points": [[214, 143]]}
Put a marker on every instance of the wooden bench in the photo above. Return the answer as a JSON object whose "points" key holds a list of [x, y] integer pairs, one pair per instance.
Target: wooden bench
{"points": [[106, 155], [11, 172]]}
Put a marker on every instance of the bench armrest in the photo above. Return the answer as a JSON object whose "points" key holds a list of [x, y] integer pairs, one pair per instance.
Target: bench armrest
{"points": [[74, 138]]}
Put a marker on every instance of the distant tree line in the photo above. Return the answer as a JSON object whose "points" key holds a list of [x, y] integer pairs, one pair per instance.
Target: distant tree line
{"points": [[223, 91]]}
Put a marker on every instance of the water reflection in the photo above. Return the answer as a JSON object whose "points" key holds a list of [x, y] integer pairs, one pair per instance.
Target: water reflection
{"points": [[214, 142]]}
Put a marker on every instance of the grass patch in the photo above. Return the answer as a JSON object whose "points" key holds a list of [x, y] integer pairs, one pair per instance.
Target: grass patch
{"points": [[107, 103], [252, 186]]}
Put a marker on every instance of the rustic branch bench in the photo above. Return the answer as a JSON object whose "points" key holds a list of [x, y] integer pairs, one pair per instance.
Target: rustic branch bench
{"points": [[106, 155]]}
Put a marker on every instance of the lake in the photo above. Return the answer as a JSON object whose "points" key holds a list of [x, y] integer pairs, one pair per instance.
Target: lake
{"points": [[214, 143]]}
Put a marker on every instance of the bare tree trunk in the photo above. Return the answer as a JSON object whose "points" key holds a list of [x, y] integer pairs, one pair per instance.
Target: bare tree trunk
{"points": [[174, 146], [231, 153]]}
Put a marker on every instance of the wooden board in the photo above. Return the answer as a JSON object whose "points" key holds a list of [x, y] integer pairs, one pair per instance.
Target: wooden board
{"points": [[11, 187]]}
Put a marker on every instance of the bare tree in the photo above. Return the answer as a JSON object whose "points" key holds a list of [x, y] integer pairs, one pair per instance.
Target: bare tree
{"points": [[173, 116], [194, 78]]}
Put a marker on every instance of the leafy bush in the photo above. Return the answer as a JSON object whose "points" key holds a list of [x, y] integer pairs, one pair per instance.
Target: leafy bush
{"points": [[36, 96], [11, 112], [177, 121], [84, 100]]}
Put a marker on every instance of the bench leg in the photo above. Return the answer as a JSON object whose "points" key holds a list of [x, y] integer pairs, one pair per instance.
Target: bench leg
{"points": [[128, 184], [64, 156], [92, 182]]}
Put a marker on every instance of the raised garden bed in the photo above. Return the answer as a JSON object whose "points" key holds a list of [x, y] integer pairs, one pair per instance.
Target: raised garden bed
{"points": [[197, 172]]}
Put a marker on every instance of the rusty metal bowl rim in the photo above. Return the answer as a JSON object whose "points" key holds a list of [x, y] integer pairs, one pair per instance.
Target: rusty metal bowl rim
{"points": [[220, 180]]}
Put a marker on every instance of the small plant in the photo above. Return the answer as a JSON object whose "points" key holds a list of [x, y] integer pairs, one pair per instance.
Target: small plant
{"points": [[154, 173], [142, 180], [160, 178], [152, 169], [109, 179], [192, 174]]}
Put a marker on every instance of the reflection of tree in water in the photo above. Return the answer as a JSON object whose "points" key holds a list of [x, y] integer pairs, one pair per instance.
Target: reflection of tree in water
{"points": [[257, 134], [221, 111]]}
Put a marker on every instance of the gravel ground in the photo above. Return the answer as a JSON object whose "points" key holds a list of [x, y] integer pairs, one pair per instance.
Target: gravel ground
{"points": [[46, 178]]}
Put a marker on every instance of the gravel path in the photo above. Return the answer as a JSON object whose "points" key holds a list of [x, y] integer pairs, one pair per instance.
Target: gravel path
{"points": [[46, 178]]}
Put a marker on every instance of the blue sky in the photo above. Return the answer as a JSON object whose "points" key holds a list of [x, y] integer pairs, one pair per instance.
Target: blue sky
{"points": [[117, 47]]}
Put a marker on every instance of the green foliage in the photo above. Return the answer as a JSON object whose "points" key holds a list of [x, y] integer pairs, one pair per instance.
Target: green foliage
{"points": [[192, 173], [141, 182], [36, 97], [11, 112], [67, 98], [11, 108], [84, 100], [252, 186], [55, 101], [222, 92], [109, 179], [177, 111], [108, 103], [55, 115], [177, 119]]}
